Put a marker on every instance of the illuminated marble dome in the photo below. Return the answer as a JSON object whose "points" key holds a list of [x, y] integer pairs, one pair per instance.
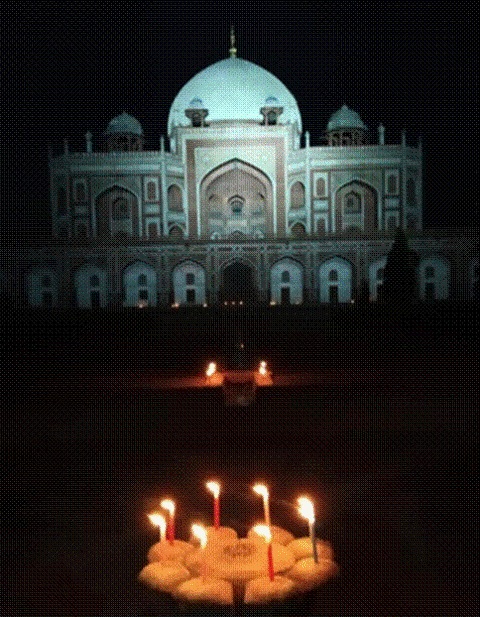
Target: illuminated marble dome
{"points": [[233, 89], [124, 123], [345, 118]]}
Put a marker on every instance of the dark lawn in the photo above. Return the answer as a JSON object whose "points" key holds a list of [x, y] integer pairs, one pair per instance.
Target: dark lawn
{"points": [[388, 450]]}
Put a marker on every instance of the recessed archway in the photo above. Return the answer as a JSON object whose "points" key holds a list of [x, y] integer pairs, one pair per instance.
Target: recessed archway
{"points": [[237, 284], [236, 196]]}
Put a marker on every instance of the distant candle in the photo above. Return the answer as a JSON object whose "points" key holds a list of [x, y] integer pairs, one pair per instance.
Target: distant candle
{"points": [[201, 533], [214, 487], [158, 519], [262, 490], [264, 531], [169, 505], [306, 510]]}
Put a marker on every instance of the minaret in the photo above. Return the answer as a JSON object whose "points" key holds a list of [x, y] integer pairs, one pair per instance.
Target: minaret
{"points": [[233, 49]]}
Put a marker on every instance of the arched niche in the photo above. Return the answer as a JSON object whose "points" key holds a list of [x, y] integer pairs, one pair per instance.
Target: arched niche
{"points": [[189, 283], [356, 207], [286, 282], [90, 286], [116, 213], [335, 278], [434, 278], [236, 196], [42, 287], [139, 284]]}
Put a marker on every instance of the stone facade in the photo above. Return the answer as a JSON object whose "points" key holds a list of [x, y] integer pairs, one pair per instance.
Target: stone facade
{"points": [[237, 210]]}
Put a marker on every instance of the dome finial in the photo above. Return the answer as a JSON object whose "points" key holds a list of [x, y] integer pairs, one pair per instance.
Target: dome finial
{"points": [[233, 49]]}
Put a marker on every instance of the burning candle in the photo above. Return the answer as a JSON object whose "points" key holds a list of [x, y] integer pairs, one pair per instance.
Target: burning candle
{"points": [[214, 487], [264, 531], [305, 509], [201, 533], [169, 505], [158, 519], [262, 490]]}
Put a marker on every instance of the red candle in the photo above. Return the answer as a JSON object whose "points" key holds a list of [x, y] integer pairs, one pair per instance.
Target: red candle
{"points": [[170, 506], [216, 512], [271, 571], [264, 531], [214, 487]]}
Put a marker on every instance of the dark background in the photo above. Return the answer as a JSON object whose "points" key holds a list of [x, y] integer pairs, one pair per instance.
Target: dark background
{"points": [[385, 441], [70, 68]]}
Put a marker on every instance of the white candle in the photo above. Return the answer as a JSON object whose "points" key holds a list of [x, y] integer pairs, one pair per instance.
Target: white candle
{"points": [[201, 533], [306, 510], [262, 490]]}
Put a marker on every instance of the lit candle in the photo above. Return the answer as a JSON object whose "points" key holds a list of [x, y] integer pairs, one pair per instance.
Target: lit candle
{"points": [[201, 533], [169, 505], [158, 519], [261, 489], [214, 487], [305, 509], [264, 531]]}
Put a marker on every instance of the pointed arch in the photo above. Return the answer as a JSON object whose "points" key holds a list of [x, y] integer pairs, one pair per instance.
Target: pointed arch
{"points": [[116, 212], [286, 281], [236, 196], [335, 287], [434, 278], [139, 284], [356, 205], [175, 198], [189, 283], [297, 229], [90, 283], [42, 287], [297, 196]]}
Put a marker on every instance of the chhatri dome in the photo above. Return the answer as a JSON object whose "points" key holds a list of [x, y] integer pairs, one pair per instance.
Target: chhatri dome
{"points": [[345, 118], [124, 123], [233, 89]]}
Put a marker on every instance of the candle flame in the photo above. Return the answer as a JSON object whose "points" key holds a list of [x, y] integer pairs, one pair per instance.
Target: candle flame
{"points": [[158, 519], [261, 489], [214, 487], [264, 532], [212, 368], [200, 532], [305, 509], [262, 369], [168, 505]]}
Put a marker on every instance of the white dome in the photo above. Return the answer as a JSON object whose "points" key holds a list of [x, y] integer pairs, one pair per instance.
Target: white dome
{"points": [[233, 89], [124, 123], [345, 118]]}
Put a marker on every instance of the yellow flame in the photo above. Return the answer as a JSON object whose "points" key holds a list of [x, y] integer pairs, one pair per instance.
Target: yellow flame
{"points": [[263, 531], [168, 505], [261, 489], [214, 487], [201, 533], [262, 369], [158, 519], [305, 509], [212, 368]]}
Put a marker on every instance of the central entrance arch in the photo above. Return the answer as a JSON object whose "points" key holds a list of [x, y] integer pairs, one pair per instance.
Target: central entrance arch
{"points": [[238, 284]]}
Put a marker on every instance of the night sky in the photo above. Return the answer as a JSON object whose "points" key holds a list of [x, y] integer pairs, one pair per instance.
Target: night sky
{"points": [[70, 68]]}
